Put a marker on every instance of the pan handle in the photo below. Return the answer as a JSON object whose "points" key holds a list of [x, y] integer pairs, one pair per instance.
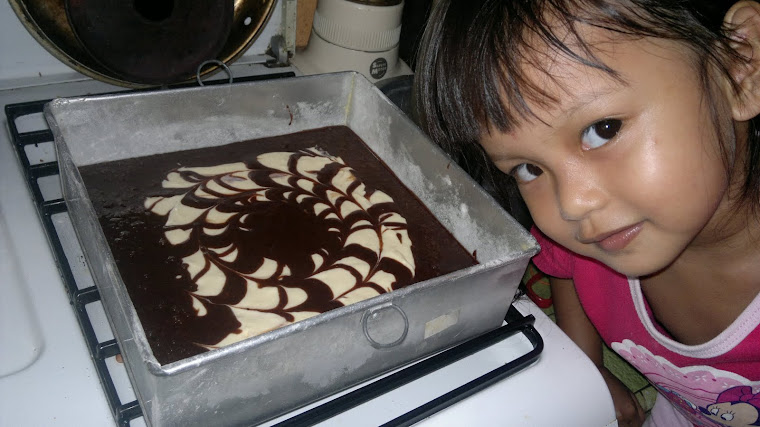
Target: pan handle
{"points": [[221, 64], [385, 326]]}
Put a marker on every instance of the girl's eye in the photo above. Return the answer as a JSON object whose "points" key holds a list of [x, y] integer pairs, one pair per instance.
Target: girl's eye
{"points": [[600, 133], [526, 172]]}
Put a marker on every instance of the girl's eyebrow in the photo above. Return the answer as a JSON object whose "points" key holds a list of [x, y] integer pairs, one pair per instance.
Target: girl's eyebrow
{"points": [[584, 99], [576, 104]]}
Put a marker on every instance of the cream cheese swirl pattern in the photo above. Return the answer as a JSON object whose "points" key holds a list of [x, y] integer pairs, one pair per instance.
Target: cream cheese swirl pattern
{"points": [[227, 218]]}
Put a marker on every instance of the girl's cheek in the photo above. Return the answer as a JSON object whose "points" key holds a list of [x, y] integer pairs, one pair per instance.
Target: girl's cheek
{"points": [[541, 208], [545, 212]]}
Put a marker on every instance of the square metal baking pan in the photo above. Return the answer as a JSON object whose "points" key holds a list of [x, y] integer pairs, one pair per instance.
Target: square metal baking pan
{"points": [[270, 374]]}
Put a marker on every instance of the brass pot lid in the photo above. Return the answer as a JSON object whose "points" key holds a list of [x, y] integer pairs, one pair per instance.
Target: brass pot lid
{"points": [[151, 41], [47, 22]]}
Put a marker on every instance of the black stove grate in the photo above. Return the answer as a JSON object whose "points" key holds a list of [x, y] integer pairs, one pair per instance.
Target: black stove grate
{"points": [[124, 413], [79, 298]]}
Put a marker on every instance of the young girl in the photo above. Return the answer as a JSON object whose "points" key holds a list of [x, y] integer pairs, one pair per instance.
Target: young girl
{"points": [[630, 129]]}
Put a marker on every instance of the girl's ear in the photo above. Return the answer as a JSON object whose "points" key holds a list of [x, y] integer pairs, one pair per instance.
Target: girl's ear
{"points": [[744, 20]]}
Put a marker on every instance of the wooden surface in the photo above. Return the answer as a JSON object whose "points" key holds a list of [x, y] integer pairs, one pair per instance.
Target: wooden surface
{"points": [[304, 21]]}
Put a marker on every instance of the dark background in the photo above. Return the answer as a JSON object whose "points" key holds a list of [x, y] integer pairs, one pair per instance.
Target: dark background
{"points": [[413, 22]]}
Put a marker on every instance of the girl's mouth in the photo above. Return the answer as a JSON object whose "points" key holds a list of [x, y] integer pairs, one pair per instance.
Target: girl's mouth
{"points": [[618, 239]]}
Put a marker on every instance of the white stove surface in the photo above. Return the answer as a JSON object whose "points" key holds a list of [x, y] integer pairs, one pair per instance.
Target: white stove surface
{"points": [[47, 377]]}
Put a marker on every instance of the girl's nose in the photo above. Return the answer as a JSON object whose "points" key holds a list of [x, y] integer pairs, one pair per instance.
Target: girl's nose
{"points": [[578, 193]]}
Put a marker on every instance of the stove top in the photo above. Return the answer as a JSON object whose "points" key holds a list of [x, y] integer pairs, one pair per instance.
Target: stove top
{"points": [[55, 299], [37, 158], [58, 357]]}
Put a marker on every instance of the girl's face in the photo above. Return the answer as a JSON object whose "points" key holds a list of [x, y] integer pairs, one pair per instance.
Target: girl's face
{"points": [[626, 171]]}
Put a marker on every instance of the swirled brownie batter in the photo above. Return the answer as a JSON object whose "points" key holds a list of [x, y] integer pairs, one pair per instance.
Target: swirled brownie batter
{"points": [[220, 244]]}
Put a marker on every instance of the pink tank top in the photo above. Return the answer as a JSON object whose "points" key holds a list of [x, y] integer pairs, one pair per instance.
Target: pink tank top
{"points": [[712, 384]]}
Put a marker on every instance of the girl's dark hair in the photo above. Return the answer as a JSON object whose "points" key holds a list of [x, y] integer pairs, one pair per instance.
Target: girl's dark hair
{"points": [[473, 54]]}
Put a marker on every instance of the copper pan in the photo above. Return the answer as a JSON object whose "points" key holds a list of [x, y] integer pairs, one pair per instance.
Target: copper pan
{"points": [[47, 22]]}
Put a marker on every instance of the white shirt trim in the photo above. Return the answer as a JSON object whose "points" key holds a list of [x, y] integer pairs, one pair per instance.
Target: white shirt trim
{"points": [[747, 322]]}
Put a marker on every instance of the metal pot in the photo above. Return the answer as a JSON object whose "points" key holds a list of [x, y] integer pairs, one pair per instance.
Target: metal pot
{"points": [[49, 23]]}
